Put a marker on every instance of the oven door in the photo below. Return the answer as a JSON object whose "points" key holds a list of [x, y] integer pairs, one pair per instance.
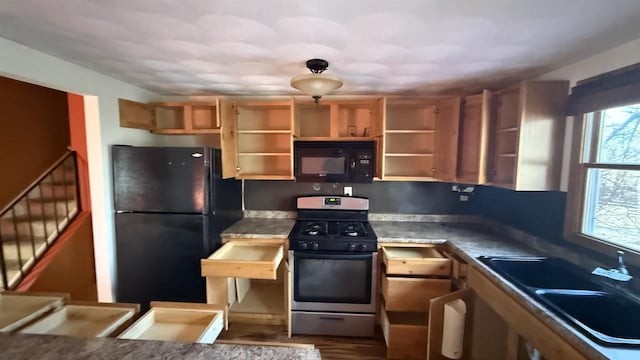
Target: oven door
{"points": [[334, 281]]}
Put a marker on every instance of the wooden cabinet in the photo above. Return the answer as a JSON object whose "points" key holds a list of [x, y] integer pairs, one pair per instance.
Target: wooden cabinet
{"points": [[359, 119], [521, 323], [412, 276], [171, 117], [257, 141], [474, 138], [526, 136], [251, 279], [420, 139]]}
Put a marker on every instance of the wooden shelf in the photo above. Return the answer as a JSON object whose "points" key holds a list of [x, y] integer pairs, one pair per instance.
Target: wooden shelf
{"points": [[328, 138], [507, 130], [185, 132], [284, 131], [408, 178], [429, 131], [264, 154], [506, 155], [265, 177], [261, 298], [399, 154]]}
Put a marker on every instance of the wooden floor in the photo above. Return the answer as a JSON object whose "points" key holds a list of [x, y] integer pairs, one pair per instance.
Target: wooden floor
{"points": [[331, 348]]}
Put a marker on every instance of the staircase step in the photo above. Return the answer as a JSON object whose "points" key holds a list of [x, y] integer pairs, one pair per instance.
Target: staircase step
{"points": [[10, 249], [42, 228], [47, 207], [60, 177], [50, 190]]}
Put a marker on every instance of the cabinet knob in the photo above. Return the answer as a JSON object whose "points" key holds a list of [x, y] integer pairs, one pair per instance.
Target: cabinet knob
{"points": [[238, 168], [433, 170]]}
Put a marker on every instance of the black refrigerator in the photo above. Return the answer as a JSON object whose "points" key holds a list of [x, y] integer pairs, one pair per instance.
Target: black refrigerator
{"points": [[170, 206]]}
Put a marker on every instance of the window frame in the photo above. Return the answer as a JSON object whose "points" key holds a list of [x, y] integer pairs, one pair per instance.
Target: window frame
{"points": [[585, 138]]}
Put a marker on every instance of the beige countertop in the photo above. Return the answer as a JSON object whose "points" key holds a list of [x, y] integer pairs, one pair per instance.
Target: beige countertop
{"points": [[469, 237]]}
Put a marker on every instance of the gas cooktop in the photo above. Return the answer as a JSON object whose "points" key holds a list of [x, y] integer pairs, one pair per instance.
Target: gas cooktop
{"points": [[332, 223]]}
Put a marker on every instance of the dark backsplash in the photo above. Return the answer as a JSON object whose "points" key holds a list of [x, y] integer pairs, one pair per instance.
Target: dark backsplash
{"points": [[540, 213]]}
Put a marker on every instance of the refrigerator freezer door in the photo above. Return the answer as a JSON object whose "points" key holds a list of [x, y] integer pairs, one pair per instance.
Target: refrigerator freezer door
{"points": [[158, 257], [161, 179]]}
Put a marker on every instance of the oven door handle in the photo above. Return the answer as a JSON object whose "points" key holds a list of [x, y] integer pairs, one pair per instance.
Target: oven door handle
{"points": [[355, 256]]}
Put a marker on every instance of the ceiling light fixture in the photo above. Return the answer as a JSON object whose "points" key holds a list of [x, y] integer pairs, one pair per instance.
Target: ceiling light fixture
{"points": [[316, 84]]}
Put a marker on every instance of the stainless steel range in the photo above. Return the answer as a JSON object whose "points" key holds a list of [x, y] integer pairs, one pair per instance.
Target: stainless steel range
{"points": [[333, 254]]}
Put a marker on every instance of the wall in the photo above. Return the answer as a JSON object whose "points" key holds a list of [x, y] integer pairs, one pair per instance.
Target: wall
{"points": [[35, 126], [68, 266], [386, 197], [101, 114]]}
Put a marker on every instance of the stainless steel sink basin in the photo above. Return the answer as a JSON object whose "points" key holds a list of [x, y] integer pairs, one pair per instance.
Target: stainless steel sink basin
{"points": [[609, 317], [603, 313]]}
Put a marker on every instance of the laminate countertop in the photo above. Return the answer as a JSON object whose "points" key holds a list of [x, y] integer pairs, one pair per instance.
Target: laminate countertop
{"points": [[469, 237], [45, 347]]}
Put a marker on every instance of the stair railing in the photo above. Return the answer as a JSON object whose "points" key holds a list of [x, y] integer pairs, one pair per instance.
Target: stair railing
{"points": [[32, 222]]}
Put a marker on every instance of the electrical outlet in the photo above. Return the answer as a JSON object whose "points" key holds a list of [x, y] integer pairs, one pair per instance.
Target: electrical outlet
{"points": [[348, 191]]}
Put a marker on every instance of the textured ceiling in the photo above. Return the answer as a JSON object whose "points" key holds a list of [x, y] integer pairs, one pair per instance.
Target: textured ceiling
{"points": [[254, 47]]}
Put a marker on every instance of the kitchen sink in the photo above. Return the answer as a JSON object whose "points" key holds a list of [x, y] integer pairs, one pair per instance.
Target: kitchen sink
{"points": [[609, 317], [541, 272], [601, 312]]}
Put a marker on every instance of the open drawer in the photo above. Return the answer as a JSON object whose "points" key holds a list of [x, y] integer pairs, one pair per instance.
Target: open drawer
{"points": [[96, 320], [405, 334], [18, 310], [415, 261], [246, 260], [183, 322], [412, 294]]}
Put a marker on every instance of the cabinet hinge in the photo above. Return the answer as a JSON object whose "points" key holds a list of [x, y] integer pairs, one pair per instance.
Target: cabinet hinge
{"points": [[235, 111]]}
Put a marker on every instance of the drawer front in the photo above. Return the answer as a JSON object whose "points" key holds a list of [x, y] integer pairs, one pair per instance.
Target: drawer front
{"points": [[338, 324], [415, 261], [244, 260], [404, 341], [406, 294]]}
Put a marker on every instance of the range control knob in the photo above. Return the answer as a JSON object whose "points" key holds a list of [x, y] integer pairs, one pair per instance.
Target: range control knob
{"points": [[353, 247], [303, 245], [363, 247], [315, 246]]}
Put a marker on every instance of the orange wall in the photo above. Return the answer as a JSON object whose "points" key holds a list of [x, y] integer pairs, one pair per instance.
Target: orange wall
{"points": [[33, 135], [79, 145]]}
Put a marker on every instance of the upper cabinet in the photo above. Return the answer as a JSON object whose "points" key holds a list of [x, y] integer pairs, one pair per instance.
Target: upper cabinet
{"points": [[171, 117], [421, 138], [526, 136], [257, 139], [474, 138], [338, 119]]}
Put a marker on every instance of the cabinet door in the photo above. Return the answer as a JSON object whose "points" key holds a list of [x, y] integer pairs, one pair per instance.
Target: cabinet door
{"points": [[436, 324], [504, 138], [228, 139], [446, 150], [135, 115], [474, 139]]}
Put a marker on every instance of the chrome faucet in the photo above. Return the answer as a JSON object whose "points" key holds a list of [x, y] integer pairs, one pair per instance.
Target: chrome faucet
{"points": [[622, 268]]}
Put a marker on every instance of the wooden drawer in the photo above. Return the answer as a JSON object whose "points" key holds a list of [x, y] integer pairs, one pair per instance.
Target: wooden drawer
{"points": [[84, 320], [18, 310], [245, 260], [183, 322], [415, 261], [405, 334], [412, 294]]}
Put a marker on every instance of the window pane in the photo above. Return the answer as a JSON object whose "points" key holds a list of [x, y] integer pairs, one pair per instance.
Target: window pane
{"points": [[619, 141], [612, 206]]}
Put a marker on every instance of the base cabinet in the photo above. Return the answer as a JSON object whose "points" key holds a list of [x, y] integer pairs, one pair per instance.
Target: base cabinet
{"points": [[416, 284]]}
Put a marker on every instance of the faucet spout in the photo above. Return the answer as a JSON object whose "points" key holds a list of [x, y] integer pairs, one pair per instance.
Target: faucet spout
{"points": [[622, 268]]}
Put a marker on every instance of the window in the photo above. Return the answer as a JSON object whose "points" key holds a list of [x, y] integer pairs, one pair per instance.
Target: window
{"points": [[608, 177]]}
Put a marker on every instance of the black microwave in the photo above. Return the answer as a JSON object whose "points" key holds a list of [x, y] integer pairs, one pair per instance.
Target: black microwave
{"points": [[334, 161]]}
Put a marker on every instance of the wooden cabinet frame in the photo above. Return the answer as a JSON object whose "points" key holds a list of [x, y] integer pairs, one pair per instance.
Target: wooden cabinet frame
{"points": [[178, 118]]}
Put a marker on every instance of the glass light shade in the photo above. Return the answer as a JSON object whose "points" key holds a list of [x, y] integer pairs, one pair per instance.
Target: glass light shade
{"points": [[316, 84]]}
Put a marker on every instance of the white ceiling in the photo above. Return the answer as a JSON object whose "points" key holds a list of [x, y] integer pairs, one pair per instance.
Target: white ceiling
{"points": [[190, 47]]}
